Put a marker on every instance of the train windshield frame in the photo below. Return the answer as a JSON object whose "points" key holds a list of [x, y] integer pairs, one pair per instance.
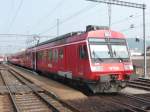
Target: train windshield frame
{"points": [[117, 48]]}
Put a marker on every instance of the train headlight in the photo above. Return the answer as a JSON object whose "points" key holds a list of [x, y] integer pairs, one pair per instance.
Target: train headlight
{"points": [[128, 67], [96, 68]]}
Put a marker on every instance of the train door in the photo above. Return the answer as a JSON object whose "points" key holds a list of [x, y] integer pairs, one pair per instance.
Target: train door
{"points": [[55, 59], [50, 60], [70, 61], [82, 60], [34, 64]]}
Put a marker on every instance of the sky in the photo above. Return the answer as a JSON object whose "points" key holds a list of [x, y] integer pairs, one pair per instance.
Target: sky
{"points": [[39, 18]]}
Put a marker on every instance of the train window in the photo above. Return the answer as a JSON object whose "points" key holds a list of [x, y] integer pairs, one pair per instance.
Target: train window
{"points": [[50, 55], [61, 54], [83, 52], [55, 55], [46, 55], [56, 58], [39, 55]]}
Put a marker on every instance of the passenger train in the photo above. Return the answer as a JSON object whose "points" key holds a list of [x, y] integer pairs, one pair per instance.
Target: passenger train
{"points": [[98, 58]]}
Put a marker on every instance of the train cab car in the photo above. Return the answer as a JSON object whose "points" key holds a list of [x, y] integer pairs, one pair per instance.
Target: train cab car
{"points": [[109, 60], [98, 58]]}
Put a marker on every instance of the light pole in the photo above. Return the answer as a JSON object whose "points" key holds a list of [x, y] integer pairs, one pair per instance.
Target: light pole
{"points": [[144, 41], [109, 15]]}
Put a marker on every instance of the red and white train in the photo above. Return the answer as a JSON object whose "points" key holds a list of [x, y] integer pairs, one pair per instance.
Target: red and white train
{"points": [[98, 58]]}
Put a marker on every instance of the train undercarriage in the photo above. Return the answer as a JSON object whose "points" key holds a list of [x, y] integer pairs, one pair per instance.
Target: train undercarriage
{"points": [[110, 84], [107, 87]]}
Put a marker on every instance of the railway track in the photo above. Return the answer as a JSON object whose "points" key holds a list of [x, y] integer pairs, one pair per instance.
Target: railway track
{"points": [[140, 83], [22, 95], [130, 102], [98, 103], [114, 103]]}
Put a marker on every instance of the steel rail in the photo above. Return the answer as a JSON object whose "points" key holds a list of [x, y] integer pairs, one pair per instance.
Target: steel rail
{"points": [[138, 98], [139, 86], [36, 93], [128, 106], [112, 101], [12, 97], [144, 80], [140, 83]]}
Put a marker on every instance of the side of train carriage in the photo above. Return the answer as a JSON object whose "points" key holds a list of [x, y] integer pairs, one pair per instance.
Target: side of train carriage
{"points": [[98, 57]]}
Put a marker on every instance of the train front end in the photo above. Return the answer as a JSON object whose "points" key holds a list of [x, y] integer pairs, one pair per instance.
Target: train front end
{"points": [[110, 61]]}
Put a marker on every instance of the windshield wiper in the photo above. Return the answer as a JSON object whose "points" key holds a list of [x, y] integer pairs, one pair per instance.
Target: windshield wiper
{"points": [[120, 59], [96, 57], [100, 59]]}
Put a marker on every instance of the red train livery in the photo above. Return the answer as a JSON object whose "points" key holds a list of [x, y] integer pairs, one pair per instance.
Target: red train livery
{"points": [[98, 58]]}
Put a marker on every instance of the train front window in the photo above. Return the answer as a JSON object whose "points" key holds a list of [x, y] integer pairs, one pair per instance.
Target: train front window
{"points": [[120, 51], [99, 51]]}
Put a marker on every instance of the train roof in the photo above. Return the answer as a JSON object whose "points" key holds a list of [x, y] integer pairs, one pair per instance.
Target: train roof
{"points": [[105, 34], [88, 28], [59, 38], [91, 31]]}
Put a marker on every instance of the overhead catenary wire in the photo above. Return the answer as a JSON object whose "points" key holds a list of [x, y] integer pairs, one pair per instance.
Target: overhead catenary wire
{"points": [[82, 11], [25, 35], [42, 19], [87, 8], [127, 18], [15, 15], [135, 27]]}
